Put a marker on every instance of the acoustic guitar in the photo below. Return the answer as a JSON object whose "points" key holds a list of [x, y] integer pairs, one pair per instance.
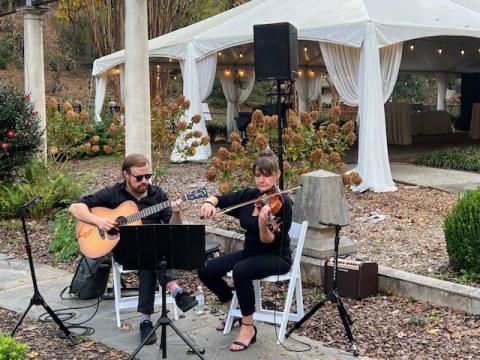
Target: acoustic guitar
{"points": [[95, 243]]}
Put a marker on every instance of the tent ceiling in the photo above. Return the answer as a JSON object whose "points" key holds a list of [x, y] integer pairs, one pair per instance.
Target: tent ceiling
{"points": [[338, 21], [425, 56], [423, 59]]}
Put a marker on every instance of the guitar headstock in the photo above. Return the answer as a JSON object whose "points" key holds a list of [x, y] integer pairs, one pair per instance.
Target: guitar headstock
{"points": [[196, 194]]}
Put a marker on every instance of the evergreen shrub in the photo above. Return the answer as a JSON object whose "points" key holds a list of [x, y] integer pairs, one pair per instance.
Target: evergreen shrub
{"points": [[57, 187], [460, 158], [462, 233], [10, 349], [19, 130]]}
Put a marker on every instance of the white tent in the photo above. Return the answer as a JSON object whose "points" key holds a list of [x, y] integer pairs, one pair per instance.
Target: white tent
{"points": [[361, 48]]}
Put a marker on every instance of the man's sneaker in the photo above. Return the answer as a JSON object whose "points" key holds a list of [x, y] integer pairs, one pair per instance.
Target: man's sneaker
{"points": [[145, 327], [185, 302]]}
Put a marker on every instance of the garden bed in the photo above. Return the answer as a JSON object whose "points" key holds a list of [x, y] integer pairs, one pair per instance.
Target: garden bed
{"points": [[402, 230]]}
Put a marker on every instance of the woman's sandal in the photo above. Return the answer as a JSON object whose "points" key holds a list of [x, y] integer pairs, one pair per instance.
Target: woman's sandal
{"points": [[252, 340], [221, 326]]}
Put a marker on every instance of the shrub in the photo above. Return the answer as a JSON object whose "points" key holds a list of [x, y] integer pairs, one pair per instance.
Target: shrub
{"points": [[71, 134], [19, 130], [57, 188], [64, 240], [168, 125], [463, 158], [306, 149], [462, 229], [10, 349]]}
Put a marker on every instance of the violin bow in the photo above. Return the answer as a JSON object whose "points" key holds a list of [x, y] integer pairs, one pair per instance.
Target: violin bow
{"points": [[227, 209]]}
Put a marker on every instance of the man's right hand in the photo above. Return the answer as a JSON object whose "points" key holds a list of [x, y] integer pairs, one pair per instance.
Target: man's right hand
{"points": [[106, 224]]}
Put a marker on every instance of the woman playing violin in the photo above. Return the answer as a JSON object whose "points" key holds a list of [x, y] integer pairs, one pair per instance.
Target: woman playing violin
{"points": [[266, 249]]}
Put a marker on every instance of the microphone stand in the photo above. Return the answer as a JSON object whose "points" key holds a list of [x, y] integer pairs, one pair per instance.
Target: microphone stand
{"points": [[333, 297], [37, 298]]}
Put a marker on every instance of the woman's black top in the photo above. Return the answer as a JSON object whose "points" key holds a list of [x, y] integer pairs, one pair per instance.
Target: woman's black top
{"points": [[253, 245]]}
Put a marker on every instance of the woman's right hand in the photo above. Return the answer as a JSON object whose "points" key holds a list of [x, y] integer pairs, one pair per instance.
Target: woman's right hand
{"points": [[208, 211]]}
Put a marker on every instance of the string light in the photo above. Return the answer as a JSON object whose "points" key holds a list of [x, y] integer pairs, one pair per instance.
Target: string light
{"points": [[170, 59], [219, 53], [462, 52], [412, 46], [158, 66], [312, 72], [227, 72], [300, 72], [240, 72], [241, 55], [305, 49], [174, 77], [440, 51]]}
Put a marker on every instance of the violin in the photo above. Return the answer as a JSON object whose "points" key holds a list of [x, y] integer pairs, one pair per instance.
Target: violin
{"points": [[274, 199], [275, 204]]}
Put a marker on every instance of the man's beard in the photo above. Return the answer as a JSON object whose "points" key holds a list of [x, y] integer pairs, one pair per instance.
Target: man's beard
{"points": [[138, 189]]}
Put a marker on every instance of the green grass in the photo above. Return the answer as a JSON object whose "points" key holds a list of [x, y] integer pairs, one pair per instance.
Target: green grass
{"points": [[458, 158]]}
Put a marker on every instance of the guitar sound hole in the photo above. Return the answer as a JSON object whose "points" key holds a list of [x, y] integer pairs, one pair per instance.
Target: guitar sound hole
{"points": [[121, 220]]}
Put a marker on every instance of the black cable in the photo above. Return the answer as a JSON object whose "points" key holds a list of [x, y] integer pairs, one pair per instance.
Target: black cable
{"points": [[65, 316]]}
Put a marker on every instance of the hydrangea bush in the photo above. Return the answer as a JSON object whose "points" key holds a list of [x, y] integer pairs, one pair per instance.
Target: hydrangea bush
{"points": [[168, 125], [72, 134], [307, 148], [20, 133]]}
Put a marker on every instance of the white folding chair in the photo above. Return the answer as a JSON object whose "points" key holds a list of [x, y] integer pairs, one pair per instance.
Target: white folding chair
{"points": [[298, 232], [128, 302]]}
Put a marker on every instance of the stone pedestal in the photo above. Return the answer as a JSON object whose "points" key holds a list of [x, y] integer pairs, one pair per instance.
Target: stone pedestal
{"points": [[138, 138], [34, 65], [322, 198]]}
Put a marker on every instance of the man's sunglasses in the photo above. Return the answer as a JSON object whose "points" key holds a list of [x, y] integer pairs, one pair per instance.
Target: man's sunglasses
{"points": [[140, 177]]}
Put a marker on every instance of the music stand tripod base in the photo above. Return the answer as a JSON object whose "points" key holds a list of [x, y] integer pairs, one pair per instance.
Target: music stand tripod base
{"points": [[158, 248], [37, 299], [333, 297]]}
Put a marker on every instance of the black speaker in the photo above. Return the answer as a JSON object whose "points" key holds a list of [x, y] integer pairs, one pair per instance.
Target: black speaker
{"points": [[276, 51]]}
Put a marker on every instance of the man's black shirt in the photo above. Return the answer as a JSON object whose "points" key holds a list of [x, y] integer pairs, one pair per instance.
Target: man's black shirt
{"points": [[113, 196]]}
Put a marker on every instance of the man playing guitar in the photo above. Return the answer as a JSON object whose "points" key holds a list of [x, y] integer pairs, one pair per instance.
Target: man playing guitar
{"points": [[136, 187]]}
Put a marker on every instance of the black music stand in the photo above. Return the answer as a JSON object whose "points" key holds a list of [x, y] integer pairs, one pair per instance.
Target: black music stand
{"points": [[333, 297], [162, 247], [36, 299]]}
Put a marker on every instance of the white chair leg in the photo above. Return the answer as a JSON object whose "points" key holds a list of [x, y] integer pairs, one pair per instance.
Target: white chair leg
{"points": [[258, 295], [286, 310], [299, 298], [117, 289], [230, 317], [174, 309]]}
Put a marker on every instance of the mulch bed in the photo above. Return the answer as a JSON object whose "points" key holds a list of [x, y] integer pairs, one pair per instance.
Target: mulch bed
{"points": [[402, 230]]}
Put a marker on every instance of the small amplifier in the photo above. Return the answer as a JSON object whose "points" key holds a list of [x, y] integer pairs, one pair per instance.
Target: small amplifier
{"points": [[355, 279]]}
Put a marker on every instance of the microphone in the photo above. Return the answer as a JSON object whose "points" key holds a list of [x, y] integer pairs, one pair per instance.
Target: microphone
{"points": [[32, 202]]}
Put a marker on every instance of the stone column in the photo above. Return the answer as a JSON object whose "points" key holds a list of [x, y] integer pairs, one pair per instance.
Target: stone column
{"points": [[322, 198], [138, 137], [33, 65]]}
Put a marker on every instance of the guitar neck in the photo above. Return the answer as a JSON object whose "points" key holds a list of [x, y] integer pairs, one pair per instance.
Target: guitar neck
{"points": [[151, 210]]}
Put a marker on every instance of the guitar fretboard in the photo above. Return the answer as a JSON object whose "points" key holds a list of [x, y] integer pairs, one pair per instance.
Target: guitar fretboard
{"points": [[150, 210]]}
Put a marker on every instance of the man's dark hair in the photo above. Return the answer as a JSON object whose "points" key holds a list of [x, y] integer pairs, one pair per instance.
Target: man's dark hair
{"points": [[136, 160]]}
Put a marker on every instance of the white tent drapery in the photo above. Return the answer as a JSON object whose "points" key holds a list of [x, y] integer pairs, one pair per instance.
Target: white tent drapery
{"points": [[236, 87], [194, 89], [309, 87], [100, 91], [347, 68], [345, 22]]}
